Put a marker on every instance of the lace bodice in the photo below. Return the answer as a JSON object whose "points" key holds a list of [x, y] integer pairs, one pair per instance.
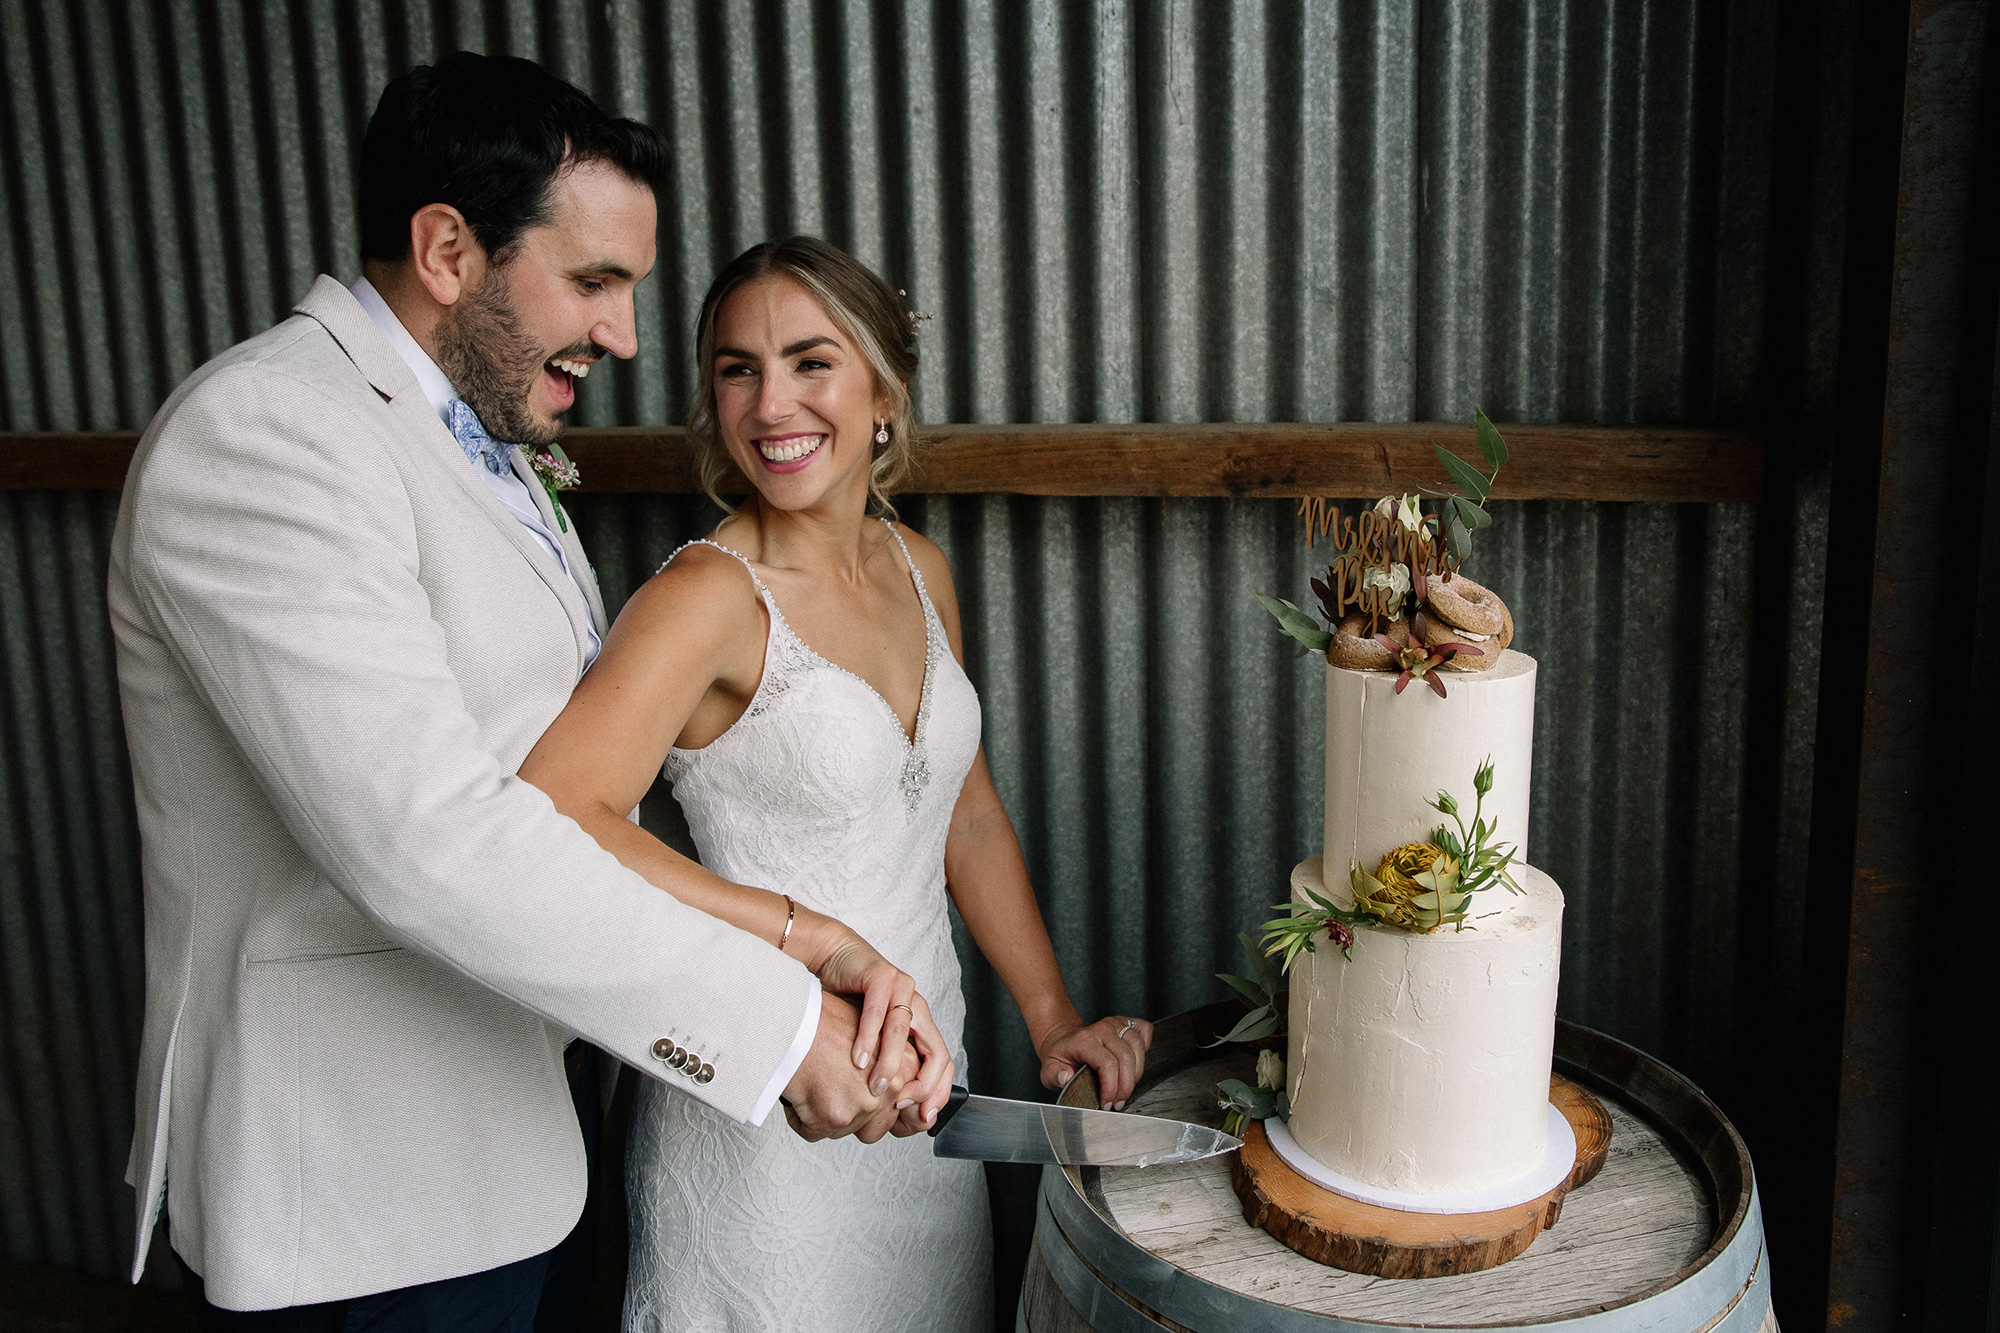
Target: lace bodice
{"points": [[817, 791]]}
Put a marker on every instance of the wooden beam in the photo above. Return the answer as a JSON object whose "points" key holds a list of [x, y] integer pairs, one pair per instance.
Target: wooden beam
{"points": [[1354, 459]]}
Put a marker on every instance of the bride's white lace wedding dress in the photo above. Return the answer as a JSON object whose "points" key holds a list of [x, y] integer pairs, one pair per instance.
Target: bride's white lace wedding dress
{"points": [[816, 791]]}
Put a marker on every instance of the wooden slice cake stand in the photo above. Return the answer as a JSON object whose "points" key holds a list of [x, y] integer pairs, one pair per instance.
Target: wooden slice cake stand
{"points": [[1366, 1238]]}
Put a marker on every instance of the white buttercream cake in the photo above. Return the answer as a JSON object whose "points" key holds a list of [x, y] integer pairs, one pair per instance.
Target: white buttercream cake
{"points": [[1420, 1069]]}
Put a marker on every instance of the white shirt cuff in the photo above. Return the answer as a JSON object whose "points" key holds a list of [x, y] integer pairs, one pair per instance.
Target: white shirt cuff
{"points": [[796, 1056]]}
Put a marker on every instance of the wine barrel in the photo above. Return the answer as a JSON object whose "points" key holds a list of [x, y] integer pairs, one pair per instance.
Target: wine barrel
{"points": [[1667, 1239]]}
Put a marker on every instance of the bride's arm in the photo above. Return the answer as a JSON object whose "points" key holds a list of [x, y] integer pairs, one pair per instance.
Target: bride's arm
{"points": [[680, 664], [989, 884]]}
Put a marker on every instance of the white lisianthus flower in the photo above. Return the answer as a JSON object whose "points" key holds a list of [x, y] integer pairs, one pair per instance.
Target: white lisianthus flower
{"points": [[1396, 578], [1270, 1070], [1403, 511]]}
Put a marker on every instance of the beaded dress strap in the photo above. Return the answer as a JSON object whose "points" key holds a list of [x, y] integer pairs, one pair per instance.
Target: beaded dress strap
{"points": [[741, 559], [916, 577]]}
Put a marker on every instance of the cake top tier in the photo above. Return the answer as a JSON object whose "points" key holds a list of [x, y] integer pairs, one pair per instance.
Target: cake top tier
{"points": [[1390, 756]]}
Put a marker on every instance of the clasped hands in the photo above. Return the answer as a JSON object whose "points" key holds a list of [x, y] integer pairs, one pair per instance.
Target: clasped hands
{"points": [[882, 1068]]}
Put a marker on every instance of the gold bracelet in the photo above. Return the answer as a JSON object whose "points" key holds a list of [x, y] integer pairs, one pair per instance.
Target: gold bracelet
{"points": [[791, 914]]}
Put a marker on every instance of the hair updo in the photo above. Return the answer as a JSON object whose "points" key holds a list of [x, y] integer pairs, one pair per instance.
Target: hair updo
{"points": [[866, 308]]}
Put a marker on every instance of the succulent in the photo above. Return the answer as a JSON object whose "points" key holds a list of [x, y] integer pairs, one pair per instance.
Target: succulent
{"points": [[1420, 661]]}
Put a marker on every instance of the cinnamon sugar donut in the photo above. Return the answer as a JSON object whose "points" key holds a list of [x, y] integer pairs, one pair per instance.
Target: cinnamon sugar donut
{"points": [[1352, 647], [1490, 646], [1464, 605]]}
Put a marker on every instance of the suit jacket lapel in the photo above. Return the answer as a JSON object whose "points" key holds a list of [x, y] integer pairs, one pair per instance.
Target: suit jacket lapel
{"points": [[565, 535], [335, 308]]}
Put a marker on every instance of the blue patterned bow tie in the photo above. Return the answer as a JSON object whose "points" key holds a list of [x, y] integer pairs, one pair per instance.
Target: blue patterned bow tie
{"points": [[479, 447]]}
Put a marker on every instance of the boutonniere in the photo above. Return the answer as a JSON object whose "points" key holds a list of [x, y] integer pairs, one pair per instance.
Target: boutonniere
{"points": [[553, 468]]}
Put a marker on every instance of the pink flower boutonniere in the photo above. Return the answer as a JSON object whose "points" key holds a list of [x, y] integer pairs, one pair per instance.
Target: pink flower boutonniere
{"points": [[557, 473]]}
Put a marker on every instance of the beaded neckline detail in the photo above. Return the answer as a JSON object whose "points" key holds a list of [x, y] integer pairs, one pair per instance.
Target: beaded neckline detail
{"points": [[787, 654]]}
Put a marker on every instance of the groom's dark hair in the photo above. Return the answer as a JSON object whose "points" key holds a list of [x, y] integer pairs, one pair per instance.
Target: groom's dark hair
{"points": [[487, 135]]}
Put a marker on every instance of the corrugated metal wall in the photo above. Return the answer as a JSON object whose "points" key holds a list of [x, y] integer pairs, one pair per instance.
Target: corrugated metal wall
{"points": [[1188, 211]]}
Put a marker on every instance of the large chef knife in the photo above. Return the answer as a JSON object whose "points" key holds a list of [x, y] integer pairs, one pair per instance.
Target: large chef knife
{"points": [[994, 1129]]}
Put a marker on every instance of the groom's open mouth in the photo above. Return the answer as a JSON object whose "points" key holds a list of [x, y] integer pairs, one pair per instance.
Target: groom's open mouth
{"points": [[788, 453], [561, 374]]}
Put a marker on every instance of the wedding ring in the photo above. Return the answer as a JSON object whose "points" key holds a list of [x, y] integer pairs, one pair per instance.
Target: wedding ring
{"points": [[906, 1009], [1130, 1023]]}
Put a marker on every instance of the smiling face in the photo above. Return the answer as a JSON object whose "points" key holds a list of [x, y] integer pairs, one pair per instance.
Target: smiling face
{"points": [[515, 345], [796, 402]]}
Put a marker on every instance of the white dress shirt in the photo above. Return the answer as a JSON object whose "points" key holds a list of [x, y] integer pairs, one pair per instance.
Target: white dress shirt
{"points": [[512, 493]]}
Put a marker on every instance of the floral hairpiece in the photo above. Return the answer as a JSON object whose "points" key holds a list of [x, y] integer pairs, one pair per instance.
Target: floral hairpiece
{"points": [[917, 317]]}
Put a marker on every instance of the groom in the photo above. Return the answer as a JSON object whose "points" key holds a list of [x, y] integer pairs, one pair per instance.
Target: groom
{"points": [[344, 614]]}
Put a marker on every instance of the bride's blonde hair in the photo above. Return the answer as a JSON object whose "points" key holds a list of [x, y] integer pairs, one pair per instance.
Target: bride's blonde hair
{"points": [[866, 308]]}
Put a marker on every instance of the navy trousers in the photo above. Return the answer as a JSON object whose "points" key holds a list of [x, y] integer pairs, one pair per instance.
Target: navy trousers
{"points": [[545, 1293]]}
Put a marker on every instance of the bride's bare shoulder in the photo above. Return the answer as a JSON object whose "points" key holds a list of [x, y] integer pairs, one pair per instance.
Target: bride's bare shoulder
{"points": [[925, 554], [701, 590]]}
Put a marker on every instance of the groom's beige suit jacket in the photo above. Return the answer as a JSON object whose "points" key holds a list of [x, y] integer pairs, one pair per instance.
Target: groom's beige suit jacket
{"points": [[366, 939]]}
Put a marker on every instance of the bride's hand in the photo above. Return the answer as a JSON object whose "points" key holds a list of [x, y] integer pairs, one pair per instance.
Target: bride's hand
{"points": [[892, 1012], [1114, 1047], [925, 1077]]}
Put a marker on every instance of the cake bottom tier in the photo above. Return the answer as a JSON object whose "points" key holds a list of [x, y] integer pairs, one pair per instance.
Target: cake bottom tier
{"points": [[1422, 1065]]}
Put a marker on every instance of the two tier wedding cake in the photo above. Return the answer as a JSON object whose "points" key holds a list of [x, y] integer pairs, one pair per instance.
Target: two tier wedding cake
{"points": [[1423, 949]]}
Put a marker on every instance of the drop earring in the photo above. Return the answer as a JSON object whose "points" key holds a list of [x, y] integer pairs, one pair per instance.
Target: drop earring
{"points": [[882, 432]]}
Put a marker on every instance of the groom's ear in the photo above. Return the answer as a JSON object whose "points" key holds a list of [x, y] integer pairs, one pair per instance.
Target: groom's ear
{"points": [[448, 258]]}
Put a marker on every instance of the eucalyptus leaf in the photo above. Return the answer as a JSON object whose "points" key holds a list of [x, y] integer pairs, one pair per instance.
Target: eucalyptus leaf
{"points": [[1254, 1026], [1266, 973], [1490, 444], [1469, 478], [1254, 994], [1295, 622], [1255, 1019], [1458, 539], [1470, 514], [1237, 1090]]}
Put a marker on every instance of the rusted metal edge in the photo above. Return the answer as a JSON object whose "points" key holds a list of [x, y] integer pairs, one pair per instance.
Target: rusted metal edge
{"points": [[1549, 462]]}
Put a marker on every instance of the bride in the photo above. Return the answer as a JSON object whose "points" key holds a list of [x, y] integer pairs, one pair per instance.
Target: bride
{"points": [[799, 674]]}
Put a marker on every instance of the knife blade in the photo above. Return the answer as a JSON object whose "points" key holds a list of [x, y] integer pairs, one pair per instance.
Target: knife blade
{"points": [[995, 1129]]}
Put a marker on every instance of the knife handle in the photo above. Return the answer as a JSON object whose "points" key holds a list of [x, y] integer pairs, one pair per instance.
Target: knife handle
{"points": [[949, 1109]]}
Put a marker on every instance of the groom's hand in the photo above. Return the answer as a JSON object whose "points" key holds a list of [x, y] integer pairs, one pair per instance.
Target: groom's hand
{"points": [[828, 1098]]}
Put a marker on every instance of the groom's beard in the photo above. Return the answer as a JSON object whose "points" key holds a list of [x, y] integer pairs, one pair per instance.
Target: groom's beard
{"points": [[494, 363]]}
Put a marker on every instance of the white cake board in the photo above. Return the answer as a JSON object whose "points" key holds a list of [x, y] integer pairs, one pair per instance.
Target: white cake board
{"points": [[1558, 1157]]}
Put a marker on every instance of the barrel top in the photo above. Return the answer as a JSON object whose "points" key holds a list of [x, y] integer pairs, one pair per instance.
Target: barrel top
{"points": [[1643, 1219], [1653, 1225]]}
